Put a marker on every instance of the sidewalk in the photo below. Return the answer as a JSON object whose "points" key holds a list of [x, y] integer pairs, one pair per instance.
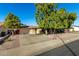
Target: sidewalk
{"points": [[71, 41]]}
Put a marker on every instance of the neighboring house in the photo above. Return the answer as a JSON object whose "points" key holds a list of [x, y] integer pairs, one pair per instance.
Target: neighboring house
{"points": [[71, 29], [1, 26], [74, 28]]}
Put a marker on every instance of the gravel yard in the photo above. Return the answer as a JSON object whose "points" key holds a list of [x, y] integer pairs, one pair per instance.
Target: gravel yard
{"points": [[21, 40], [26, 39], [26, 42]]}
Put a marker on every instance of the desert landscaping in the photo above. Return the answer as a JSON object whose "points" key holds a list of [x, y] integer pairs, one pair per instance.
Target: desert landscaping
{"points": [[41, 45]]}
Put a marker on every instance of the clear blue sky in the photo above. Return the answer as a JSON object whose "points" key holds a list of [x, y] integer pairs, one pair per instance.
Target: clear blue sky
{"points": [[71, 7], [26, 12]]}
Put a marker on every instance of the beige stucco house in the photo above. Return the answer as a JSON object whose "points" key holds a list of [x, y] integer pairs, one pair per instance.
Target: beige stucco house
{"points": [[34, 30]]}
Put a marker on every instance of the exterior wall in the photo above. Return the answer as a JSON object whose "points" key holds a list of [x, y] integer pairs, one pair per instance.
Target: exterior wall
{"points": [[71, 30], [32, 31], [24, 31], [38, 31], [76, 28]]}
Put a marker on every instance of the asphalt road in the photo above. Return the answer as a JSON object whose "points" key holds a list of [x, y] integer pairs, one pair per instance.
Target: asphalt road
{"points": [[67, 49]]}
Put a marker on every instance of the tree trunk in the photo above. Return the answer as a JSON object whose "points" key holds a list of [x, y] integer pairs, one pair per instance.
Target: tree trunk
{"points": [[54, 34], [54, 31], [51, 31], [46, 32]]}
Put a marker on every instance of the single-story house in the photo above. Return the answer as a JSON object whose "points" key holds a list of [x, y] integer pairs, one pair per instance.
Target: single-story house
{"points": [[71, 29], [30, 30], [34, 30], [24, 30], [74, 28]]}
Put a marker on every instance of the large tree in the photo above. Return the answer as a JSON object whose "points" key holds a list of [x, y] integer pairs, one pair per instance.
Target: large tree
{"points": [[66, 18], [12, 22], [43, 15], [49, 17], [71, 18]]}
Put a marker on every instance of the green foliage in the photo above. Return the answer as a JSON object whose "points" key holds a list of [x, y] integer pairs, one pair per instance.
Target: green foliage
{"points": [[43, 12], [71, 18], [12, 21], [49, 17]]}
